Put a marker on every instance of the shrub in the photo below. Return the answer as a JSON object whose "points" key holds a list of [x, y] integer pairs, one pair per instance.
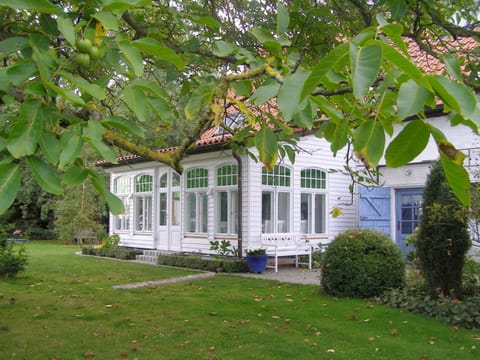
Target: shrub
{"points": [[206, 264], [362, 263], [442, 240], [12, 262], [117, 253]]}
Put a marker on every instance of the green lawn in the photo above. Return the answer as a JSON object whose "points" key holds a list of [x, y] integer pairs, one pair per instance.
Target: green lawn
{"points": [[64, 307]]}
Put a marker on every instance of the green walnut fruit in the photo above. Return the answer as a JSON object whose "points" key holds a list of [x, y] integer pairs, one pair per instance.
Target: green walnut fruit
{"points": [[84, 46], [95, 52], [82, 59]]}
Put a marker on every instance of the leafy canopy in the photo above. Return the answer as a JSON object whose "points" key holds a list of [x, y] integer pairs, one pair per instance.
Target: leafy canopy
{"points": [[118, 75]]}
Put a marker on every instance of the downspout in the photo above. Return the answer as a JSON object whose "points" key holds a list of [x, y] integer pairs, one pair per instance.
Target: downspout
{"points": [[239, 203]]}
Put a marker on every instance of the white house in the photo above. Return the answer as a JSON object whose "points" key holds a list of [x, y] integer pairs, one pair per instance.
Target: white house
{"points": [[184, 212]]}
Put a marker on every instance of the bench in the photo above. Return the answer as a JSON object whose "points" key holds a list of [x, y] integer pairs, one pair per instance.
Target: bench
{"points": [[286, 244]]}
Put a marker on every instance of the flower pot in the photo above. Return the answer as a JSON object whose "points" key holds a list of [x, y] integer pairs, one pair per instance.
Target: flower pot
{"points": [[257, 263]]}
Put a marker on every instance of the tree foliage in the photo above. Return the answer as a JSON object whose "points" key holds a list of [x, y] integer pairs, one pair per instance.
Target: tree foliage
{"points": [[443, 238], [113, 74]]}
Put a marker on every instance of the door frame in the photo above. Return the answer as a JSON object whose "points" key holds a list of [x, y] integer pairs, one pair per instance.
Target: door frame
{"points": [[399, 237], [170, 230]]}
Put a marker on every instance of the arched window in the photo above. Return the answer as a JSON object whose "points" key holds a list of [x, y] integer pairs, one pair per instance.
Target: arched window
{"points": [[226, 199], [122, 189], [143, 203], [313, 204], [276, 199], [196, 204]]}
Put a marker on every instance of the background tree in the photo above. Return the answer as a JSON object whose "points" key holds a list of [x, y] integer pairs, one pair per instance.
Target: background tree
{"points": [[443, 238], [77, 73]]}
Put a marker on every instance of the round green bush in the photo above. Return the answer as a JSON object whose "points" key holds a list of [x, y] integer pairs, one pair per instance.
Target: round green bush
{"points": [[362, 263]]}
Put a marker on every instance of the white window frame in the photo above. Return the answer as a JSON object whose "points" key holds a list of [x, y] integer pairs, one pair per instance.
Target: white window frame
{"points": [[196, 188], [226, 181], [143, 204], [277, 184], [122, 188], [313, 184]]}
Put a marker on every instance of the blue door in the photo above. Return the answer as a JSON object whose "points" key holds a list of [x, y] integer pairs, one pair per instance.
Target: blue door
{"points": [[408, 210], [374, 209]]}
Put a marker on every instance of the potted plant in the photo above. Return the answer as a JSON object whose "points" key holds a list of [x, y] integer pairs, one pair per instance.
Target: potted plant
{"points": [[256, 259]]}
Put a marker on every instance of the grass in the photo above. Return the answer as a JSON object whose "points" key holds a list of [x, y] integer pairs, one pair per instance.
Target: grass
{"points": [[64, 307]]}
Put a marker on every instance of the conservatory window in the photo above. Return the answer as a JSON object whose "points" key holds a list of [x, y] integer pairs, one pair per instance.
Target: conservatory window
{"points": [[196, 204], [313, 216], [227, 199], [121, 188], [143, 203], [276, 198]]}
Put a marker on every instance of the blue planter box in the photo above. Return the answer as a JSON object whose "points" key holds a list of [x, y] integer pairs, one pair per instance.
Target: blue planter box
{"points": [[257, 263]]}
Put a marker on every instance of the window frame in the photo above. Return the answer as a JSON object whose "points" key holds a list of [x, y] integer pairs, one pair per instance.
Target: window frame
{"points": [[277, 184], [226, 182], [313, 187], [143, 193], [124, 193], [196, 185]]}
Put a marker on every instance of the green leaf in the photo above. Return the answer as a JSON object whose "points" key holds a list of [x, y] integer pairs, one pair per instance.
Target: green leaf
{"points": [[268, 90], [283, 18], [72, 145], [11, 45], [82, 84], [136, 101], [21, 71], [115, 205], [369, 142], [75, 175], [411, 99], [42, 6], [289, 97], [9, 184], [200, 97], [103, 150], [457, 96], [267, 147], [150, 87], [243, 88], [453, 67], [65, 26], [161, 107], [337, 55], [223, 48], [365, 63], [45, 175], [267, 40], [458, 179], [408, 144], [67, 94], [392, 55], [25, 134], [133, 57], [108, 20], [123, 124], [50, 147], [339, 136], [395, 32], [156, 48]]}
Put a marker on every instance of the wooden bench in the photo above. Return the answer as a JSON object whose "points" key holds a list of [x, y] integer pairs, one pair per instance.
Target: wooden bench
{"points": [[286, 244]]}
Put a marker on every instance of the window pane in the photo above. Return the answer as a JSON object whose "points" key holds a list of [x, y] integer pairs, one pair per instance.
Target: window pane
{"points": [[190, 212], [306, 213], [163, 181], [203, 212], [122, 221], [197, 178], [175, 179], [163, 209], [320, 216], [267, 216], [176, 208], [234, 211], [227, 175], [121, 185], [283, 223], [313, 179], [143, 183], [143, 213], [222, 212]]}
